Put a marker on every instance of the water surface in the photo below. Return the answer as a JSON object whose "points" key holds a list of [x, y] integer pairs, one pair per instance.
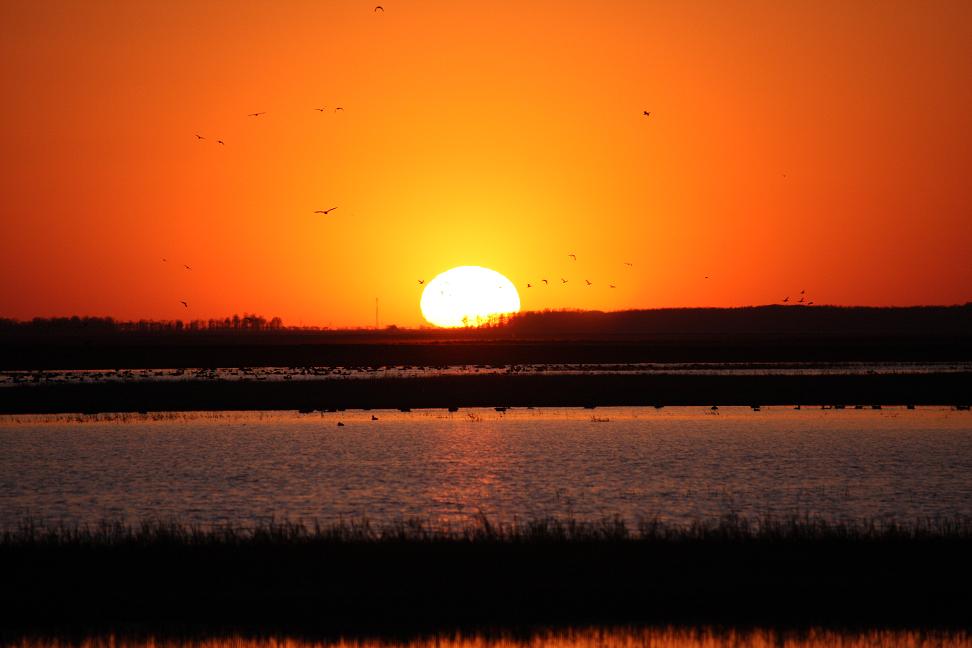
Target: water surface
{"points": [[680, 464], [582, 638]]}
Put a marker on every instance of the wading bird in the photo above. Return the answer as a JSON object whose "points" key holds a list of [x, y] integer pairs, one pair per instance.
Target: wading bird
{"points": [[324, 211]]}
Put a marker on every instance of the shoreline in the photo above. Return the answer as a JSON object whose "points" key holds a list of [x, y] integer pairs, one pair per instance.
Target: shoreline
{"points": [[492, 390]]}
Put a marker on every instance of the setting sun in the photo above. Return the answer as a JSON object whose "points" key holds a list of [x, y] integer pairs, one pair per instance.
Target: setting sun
{"points": [[468, 296]]}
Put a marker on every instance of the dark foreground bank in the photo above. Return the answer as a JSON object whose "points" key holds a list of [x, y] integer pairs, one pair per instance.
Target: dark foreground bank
{"points": [[950, 389], [405, 577]]}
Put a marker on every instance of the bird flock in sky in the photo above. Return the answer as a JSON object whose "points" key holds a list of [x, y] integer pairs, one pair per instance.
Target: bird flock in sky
{"points": [[529, 285]]}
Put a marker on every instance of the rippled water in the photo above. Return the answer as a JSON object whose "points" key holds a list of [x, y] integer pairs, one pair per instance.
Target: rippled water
{"points": [[680, 464], [272, 374], [585, 638]]}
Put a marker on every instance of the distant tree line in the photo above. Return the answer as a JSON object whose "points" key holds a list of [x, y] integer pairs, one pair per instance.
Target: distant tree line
{"points": [[246, 322]]}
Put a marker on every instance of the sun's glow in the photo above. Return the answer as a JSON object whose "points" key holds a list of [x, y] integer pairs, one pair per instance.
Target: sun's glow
{"points": [[468, 296]]}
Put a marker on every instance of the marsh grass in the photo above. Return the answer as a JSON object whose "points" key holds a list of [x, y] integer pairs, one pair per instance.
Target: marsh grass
{"points": [[730, 528]]}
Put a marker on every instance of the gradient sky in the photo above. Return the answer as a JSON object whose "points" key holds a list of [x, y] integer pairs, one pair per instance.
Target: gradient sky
{"points": [[824, 145]]}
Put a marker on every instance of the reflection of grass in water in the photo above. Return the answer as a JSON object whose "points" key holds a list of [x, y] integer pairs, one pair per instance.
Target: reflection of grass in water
{"points": [[659, 637]]}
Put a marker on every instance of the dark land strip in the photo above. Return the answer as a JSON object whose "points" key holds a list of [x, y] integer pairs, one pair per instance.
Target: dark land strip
{"points": [[491, 390], [267, 349], [411, 580]]}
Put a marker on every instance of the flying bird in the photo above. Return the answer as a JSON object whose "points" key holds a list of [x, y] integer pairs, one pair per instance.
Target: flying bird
{"points": [[379, 8], [628, 263], [324, 211], [257, 114], [198, 136], [573, 256], [588, 282], [221, 142], [184, 304], [800, 301], [529, 285], [545, 282], [165, 260], [562, 280], [421, 281], [338, 108], [321, 109], [611, 286], [186, 267], [786, 299], [645, 113], [802, 291]]}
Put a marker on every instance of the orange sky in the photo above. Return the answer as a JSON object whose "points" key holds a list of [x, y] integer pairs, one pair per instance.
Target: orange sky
{"points": [[824, 145]]}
